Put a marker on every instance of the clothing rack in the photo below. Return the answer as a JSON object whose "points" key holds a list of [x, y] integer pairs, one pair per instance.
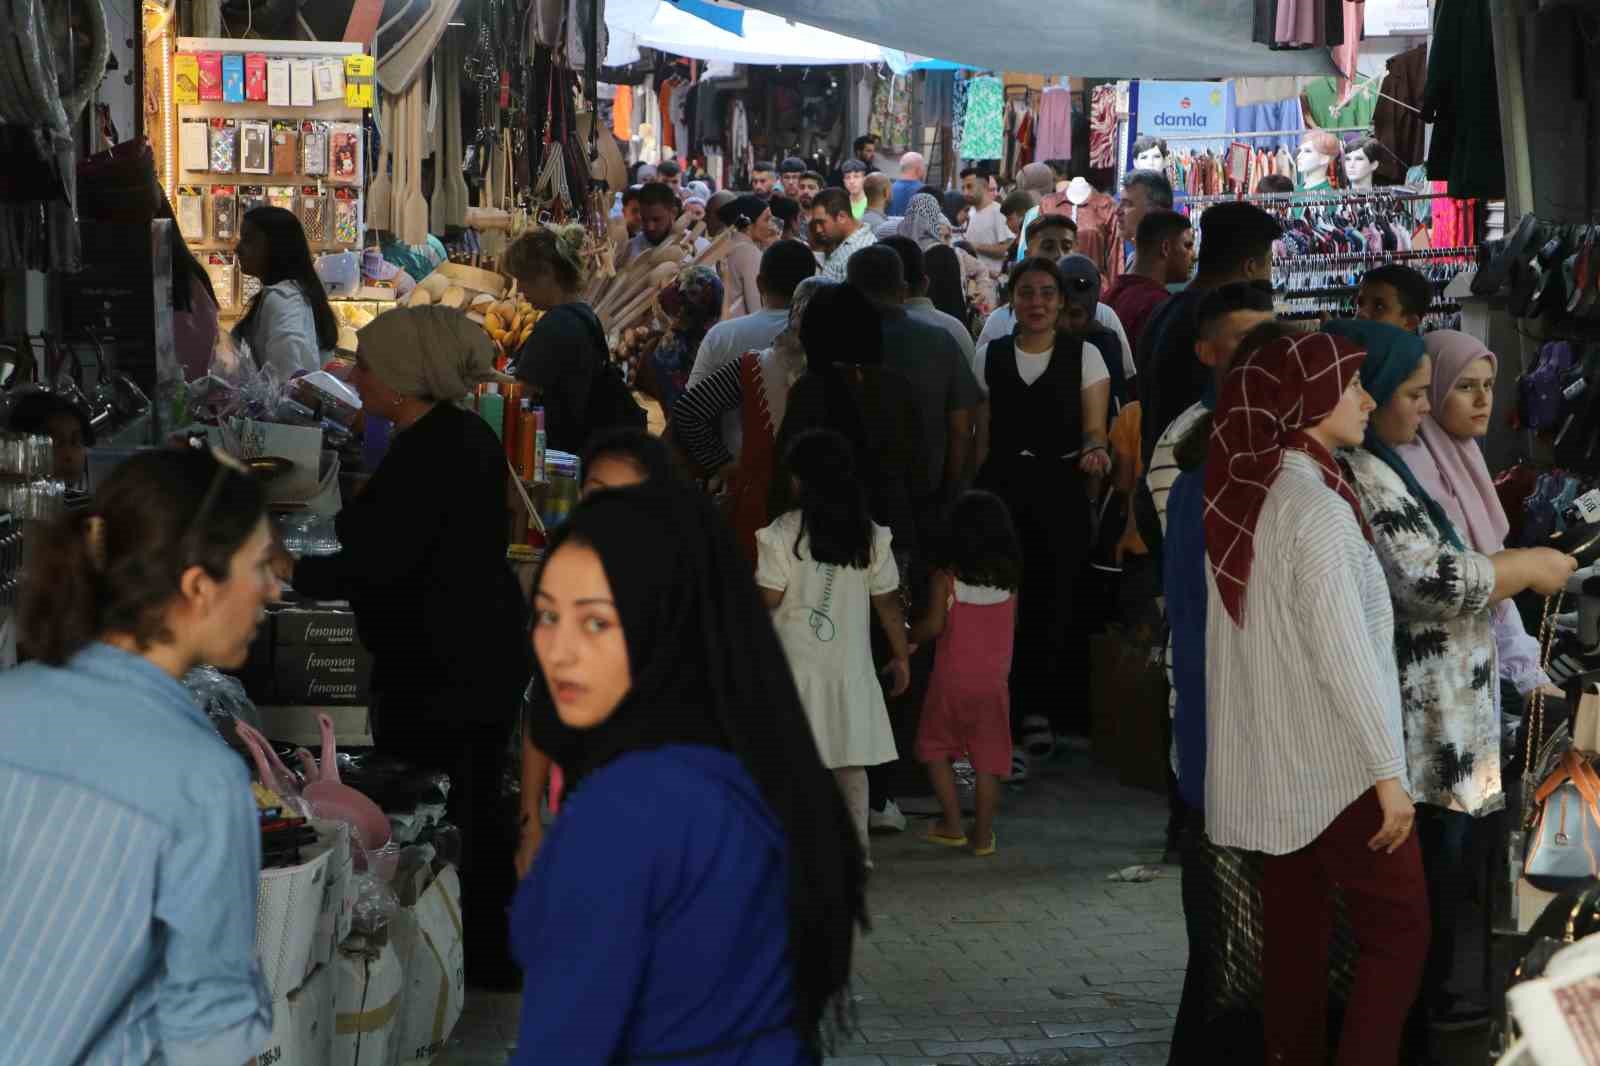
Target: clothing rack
{"points": [[1242, 135], [1315, 199], [1317, 261]]}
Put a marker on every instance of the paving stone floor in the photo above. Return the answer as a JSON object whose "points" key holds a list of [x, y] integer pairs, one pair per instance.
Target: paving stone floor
{"points": [[1030, 957]]}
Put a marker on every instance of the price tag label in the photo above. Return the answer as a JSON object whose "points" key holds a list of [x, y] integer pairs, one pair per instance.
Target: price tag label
{"points": [[1588, 505]]}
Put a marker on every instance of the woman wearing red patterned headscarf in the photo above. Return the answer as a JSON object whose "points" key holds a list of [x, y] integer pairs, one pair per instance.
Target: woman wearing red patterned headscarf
{"points": [[1305, 754]]}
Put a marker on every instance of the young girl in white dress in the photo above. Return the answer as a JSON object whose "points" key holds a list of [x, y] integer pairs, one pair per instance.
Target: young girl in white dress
{"points": [[822, 569]]}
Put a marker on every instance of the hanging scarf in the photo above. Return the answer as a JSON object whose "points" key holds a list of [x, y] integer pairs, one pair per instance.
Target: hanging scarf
{"points": [[1268, 400], [1393, 355], [1450, 469], [924, 222]]}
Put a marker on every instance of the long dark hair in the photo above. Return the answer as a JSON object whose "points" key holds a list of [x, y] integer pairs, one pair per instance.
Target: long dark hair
{"points": [[842, 326], [834, 517], [115, 566], [289, 259], [943, 268], [706, 668], [979, 543]]}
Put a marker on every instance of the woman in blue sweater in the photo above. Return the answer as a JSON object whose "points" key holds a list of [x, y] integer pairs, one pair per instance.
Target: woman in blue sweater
{"points": [[697, 898]]}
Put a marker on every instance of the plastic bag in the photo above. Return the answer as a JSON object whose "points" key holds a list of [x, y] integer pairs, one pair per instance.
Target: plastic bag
{"points": [[340, 273], [222, 698], [375, 904]]}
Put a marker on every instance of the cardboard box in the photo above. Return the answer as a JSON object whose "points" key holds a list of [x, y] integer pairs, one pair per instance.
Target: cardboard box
{"points": [[302, 1024], [298, 725], [428, 939], [301, 445], [366, 1001], [288, 903], [333, 920], [328, 623], [324, 675]]}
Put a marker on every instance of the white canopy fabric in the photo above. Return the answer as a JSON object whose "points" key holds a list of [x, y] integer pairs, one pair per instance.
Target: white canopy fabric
{"points": [[767, 39], [1176, 39]]}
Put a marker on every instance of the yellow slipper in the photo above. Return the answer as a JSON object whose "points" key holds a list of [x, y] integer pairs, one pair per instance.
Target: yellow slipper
{"points": [[984, 853], [946, 842]]}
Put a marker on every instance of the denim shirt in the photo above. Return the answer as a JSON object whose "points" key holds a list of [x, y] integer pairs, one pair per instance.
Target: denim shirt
{"points": [[129, 862]]}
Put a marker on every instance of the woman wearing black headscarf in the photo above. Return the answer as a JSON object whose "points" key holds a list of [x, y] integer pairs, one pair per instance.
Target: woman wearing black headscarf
{"points": [[698, 896], [847, 389]]}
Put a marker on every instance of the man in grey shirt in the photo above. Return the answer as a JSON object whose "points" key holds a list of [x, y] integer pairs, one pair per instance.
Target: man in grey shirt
{"points": [[941, 377]]}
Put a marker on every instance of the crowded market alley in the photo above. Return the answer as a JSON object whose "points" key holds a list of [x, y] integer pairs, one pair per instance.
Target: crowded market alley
{"points": [[799, 533]]}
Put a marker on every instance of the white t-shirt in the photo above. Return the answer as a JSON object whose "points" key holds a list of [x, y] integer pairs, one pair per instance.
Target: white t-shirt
{"points": [[1032, 365], [988, 226], [1001, 322]]}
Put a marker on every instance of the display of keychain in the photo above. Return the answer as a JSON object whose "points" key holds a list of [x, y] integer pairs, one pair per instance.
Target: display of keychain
{"points": [[222, 268], [224, 213], [313, 214], [346, 216], [250, 198], [281, 196], [224, 145], [192, 213], [313, 148]]}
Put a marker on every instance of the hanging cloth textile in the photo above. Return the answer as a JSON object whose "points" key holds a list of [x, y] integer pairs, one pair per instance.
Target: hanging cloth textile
{"points": [[891, 113], [1400, 128], [622, 113], [1055, 124], [1466, 149], [958, 113], [1347, 55], [983, 134], [1103, 127]]}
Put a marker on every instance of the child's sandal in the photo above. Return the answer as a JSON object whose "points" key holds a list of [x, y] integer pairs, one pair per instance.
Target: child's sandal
{"points": [[984, 853], [946, 841]]}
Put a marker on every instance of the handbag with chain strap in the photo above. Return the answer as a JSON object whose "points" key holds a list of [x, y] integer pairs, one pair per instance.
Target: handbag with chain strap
{"points": [[1564, 818]]}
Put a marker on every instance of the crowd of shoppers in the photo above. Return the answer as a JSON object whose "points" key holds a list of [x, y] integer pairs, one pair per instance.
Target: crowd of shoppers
{"points": [[864, 542]]}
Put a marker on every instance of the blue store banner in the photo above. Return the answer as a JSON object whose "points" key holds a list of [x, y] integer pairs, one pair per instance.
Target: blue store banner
{"points": [[1183, 111]]}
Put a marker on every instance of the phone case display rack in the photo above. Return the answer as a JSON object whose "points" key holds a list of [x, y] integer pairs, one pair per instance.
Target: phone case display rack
{"points": [[284, 132]]}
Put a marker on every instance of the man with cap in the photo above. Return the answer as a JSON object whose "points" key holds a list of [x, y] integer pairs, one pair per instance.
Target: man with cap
{"points": [[789, 172], [854, 174]]}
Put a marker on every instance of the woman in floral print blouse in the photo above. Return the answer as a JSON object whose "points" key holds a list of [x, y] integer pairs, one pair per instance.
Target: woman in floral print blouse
{"points": [[1444, 594]]}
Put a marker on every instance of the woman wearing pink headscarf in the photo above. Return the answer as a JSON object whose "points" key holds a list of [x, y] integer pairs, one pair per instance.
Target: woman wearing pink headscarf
{"points": [[1449, 464]]}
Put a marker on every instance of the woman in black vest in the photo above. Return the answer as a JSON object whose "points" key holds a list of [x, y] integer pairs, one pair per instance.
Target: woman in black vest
{"points": [[1048, 392]]}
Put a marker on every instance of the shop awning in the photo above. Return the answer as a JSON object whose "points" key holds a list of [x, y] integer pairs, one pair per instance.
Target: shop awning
{"points": [[766, 39], [1176, 39]]}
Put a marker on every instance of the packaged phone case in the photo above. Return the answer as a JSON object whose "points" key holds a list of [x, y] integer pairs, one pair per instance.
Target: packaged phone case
{"points": [[344, 152], [223, 270], [224, 213], [250, 198], [224, 145], [192, 213], [253, 135], [278, 82], [358, 73], [281, 196], [285, 147], [313, 214], [185, 79], [346, 216], [255, 77], [233, 78], [313, 148], [210, 75], [194, 144], [330, 79], [302, 91]]}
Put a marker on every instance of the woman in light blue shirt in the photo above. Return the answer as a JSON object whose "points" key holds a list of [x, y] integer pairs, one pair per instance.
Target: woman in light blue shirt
{"points": [[129, 850]]}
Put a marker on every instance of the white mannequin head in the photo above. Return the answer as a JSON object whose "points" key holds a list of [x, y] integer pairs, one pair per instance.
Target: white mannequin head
{"points": [[1079, 190], [1150, 153], [1317, 153], [1361, 162]]}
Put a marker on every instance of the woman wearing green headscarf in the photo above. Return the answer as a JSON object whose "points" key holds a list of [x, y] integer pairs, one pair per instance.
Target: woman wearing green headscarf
{"points": [[1443, 592]]}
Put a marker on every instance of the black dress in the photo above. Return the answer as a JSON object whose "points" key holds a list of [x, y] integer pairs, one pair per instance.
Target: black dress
{"points": [[423, 565], [1036, 436]]}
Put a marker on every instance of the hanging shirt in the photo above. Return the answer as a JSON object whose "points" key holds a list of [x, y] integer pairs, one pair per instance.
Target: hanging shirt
{"points": [[983, 136]]}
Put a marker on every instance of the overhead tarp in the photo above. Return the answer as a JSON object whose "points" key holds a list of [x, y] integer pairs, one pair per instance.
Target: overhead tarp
{"points": [[766, 39], [1177, 39]]}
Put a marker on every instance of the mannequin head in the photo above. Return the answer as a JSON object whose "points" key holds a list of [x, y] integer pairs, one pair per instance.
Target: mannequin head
{"points": [[1361, 162], [1150, 153], [1317, 153]]}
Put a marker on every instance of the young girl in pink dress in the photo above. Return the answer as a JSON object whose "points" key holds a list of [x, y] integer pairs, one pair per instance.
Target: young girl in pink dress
{"points": [[972, 611]]}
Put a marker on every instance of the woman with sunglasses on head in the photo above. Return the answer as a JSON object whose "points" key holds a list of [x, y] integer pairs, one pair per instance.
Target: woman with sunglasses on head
{"points": [[698, 898], [1048, 390], [130, 840], [423, 564]]}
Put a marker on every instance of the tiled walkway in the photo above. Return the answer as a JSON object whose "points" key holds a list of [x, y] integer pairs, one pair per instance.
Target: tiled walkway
{"points": [[1028, 957]]}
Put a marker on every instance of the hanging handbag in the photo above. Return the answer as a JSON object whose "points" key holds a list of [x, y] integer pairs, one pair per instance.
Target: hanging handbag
{"points": [[1564, 850]]}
